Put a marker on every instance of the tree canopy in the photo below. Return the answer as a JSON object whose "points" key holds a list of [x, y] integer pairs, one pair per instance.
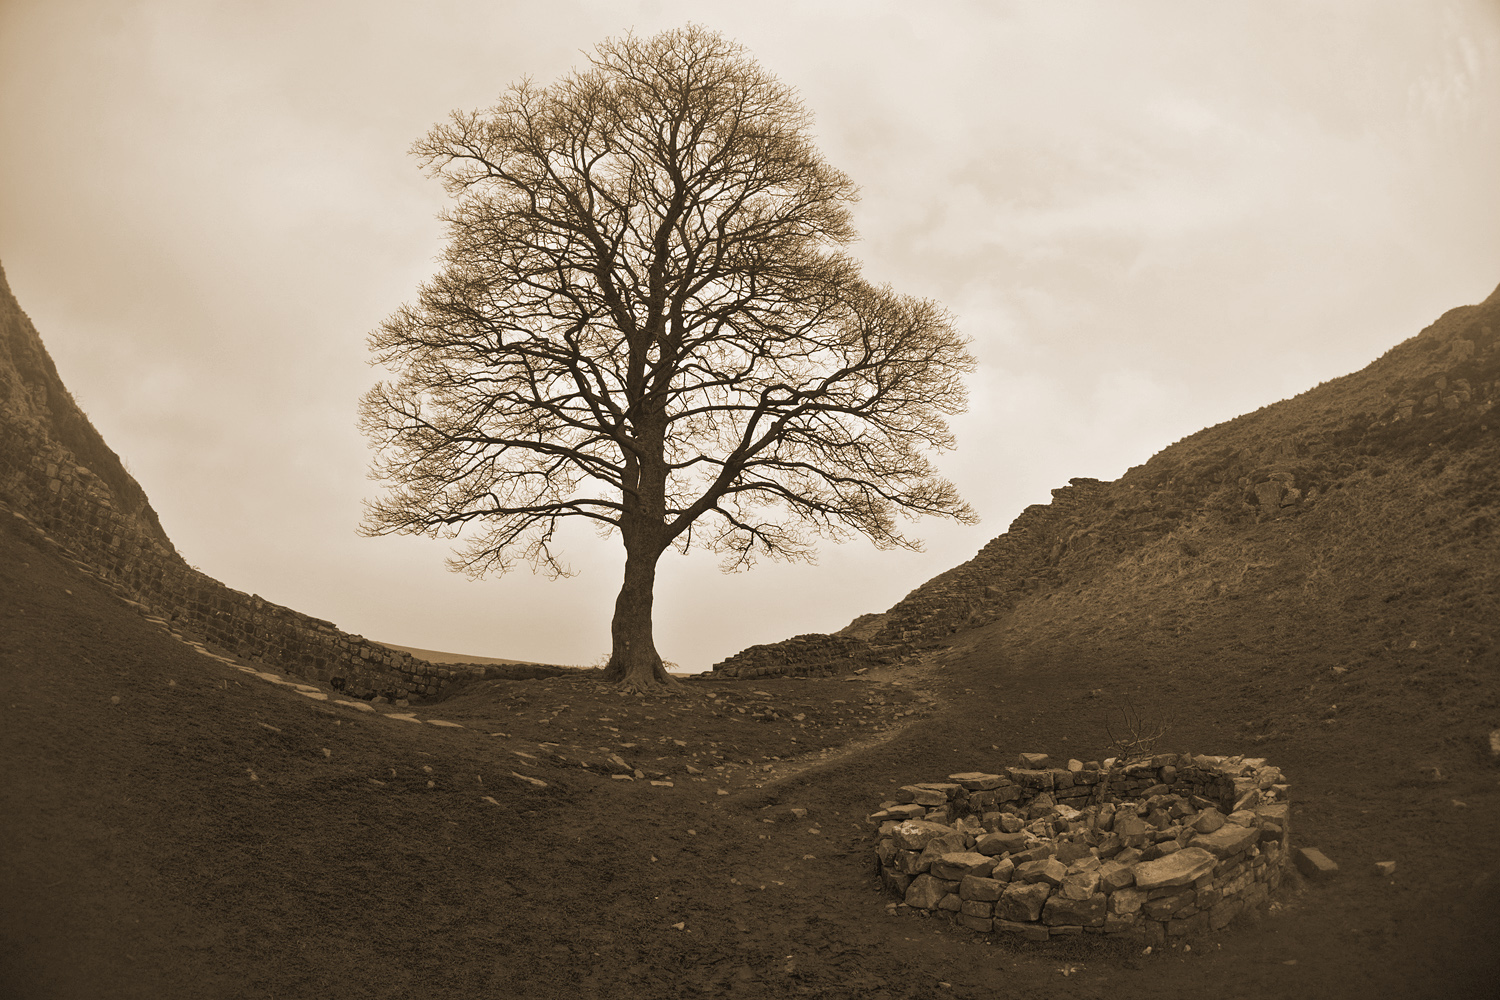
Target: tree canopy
{"points": [[645, 318]]}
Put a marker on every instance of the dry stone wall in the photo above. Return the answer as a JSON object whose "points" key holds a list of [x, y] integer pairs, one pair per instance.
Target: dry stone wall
{"points": [[102, 520], [812, 655], [1175, 845]]}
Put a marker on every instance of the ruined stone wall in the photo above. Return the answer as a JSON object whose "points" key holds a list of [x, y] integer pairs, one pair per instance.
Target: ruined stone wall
{"points": [[41, 483], [813, 655], [1171, 846]]}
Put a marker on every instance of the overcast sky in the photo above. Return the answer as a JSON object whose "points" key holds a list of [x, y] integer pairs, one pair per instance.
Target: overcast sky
{"points": [[1150, 218]]}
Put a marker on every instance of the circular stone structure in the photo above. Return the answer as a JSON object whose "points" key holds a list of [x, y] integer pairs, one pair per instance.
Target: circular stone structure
{"points": [[1153, 848]]}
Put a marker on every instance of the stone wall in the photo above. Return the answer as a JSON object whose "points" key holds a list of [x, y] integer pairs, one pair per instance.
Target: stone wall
{"points": [[101, 519], [967, 596], [812, 655], [1170, 846]]}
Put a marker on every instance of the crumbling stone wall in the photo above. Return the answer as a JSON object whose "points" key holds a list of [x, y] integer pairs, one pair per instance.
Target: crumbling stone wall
{"points": [[43, 485], [1170, 846], [812, 655]]}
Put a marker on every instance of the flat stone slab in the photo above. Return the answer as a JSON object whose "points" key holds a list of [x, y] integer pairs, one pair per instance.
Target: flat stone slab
{"points": [[978, 781], [1226, 841], [1181, 868], [1314, 863]]}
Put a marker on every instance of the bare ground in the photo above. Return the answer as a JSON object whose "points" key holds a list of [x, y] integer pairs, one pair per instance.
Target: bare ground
{"points": [[176, 828]]}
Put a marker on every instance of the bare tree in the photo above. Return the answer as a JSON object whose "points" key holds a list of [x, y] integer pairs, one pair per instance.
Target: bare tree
{"points": [[644, 319]]}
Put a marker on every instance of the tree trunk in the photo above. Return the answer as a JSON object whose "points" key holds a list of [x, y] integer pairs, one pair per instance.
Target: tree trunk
{"points": [[633, 660]]}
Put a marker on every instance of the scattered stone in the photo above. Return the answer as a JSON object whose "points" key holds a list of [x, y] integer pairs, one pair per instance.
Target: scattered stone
{"points": [[1314, 863], [1385, 868]]}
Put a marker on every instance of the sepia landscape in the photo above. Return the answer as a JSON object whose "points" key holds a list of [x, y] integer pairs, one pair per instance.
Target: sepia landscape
{"points": [[1226, 723]]}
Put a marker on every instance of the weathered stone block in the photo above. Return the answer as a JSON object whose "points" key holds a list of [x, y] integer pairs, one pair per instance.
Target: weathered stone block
{"points": [[951, 843], [916, 834], [977, 908], [1021, 901], [1069, 852], [983, 889], [921, 796], [1000, 843], [1314, 863], [950, 903], [1227, 841], [1048, 870], [1029, 931], [895, 882], [1082, 885], [1114, 876], [1180, 868], [1087, 912], [925, 892], [953, 866], [978, 781], [983, 925], [1127, 901], [1168, 906]]}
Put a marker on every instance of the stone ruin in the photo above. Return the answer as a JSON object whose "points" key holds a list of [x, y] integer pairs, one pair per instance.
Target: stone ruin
{"points": [[1163, 847]]}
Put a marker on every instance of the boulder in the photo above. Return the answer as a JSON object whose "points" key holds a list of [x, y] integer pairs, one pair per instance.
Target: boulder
{"points": [[1127, 901], [1181, 868]]}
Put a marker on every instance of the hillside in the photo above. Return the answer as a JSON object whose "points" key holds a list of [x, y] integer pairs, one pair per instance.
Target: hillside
{"points": [[1351, 527], [58, 475]]}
